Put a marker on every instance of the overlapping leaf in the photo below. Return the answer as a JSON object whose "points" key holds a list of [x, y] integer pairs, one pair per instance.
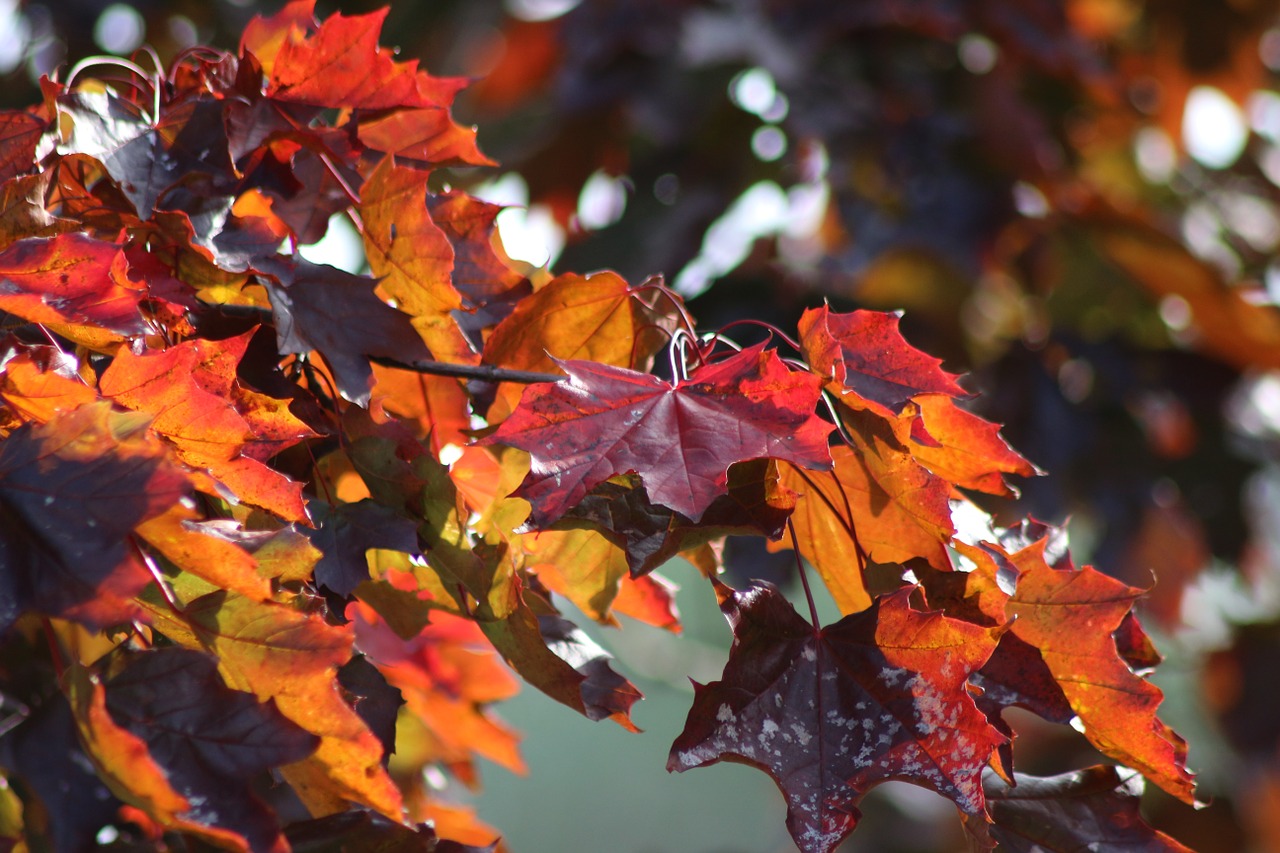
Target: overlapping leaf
{"points": [[1060, 658], [189, 389], [592, 318], [865, 357], [680, 438], [1095, 808], [831, 713], [279, 653], [210, 741], [71, 491], [70, 278]]}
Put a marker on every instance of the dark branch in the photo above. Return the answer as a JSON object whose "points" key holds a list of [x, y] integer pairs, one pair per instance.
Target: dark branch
{"points": [[469, 371], [484, 372]]}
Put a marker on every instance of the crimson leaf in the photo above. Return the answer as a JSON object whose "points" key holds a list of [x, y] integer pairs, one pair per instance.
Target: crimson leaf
{"points": [[831, 713], [680, 438]]}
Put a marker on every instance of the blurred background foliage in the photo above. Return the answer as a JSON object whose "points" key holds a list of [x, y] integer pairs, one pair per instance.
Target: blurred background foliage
{"points": [[1075, 201]]}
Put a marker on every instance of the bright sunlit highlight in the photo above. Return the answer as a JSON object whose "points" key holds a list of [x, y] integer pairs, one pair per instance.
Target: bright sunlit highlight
{"points": [[1213, 128]]}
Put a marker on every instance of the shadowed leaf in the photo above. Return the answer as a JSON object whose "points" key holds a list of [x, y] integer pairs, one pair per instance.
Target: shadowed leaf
{"points": [[831, 713], [71, 491]]}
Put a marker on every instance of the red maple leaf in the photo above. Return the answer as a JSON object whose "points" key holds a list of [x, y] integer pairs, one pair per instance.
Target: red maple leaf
{"points": [[831, 713], [865, 355], [680, 438]]}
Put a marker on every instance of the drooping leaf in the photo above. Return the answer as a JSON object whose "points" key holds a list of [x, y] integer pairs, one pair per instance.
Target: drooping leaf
{"points": [[374, 699], [70, 278], [339, 315], [210, 740], [409, 254], [189, 389], [343, 533], [831, 713], [555, 656], [680, 438], [863, 356], [177, 536], [878, 502], [71, 490], [1091, 809]]}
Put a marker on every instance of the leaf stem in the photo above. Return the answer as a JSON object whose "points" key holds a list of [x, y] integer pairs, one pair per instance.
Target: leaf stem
{"points": [[804, 579]]}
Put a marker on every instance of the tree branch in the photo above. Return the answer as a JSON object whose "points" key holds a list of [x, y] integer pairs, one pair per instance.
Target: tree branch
{"points": [[485, 372]]}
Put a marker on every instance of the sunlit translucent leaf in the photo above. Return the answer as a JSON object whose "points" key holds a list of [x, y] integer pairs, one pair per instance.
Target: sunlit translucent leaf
{"points": [[70, 278], [969, 451], [20, 132], [449, 675], [71, 491], [594, 318], [865, 357], [189, 389], [680, 438], [831, 713], [1059, 658]]}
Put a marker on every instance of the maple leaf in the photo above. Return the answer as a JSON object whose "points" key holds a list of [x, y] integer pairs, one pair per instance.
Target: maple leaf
{"points": [[22, 211], [877, 502], [146, 155], [831, 713], [597, 318], [39, 382], [190, 389], [343, 533], [1095, 808], [555, 656], [339, 64], [71, 491], [318, 307], [411, 256], [20, 133], [373, 698], [279, 653], [679, 437], [1059, 658], [967, 451], [866, 359], [210, 740], [70, 278], [448, 674]]}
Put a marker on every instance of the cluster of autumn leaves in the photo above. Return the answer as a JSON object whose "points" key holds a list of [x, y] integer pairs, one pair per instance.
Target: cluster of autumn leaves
{"points": [[248, 529]]}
